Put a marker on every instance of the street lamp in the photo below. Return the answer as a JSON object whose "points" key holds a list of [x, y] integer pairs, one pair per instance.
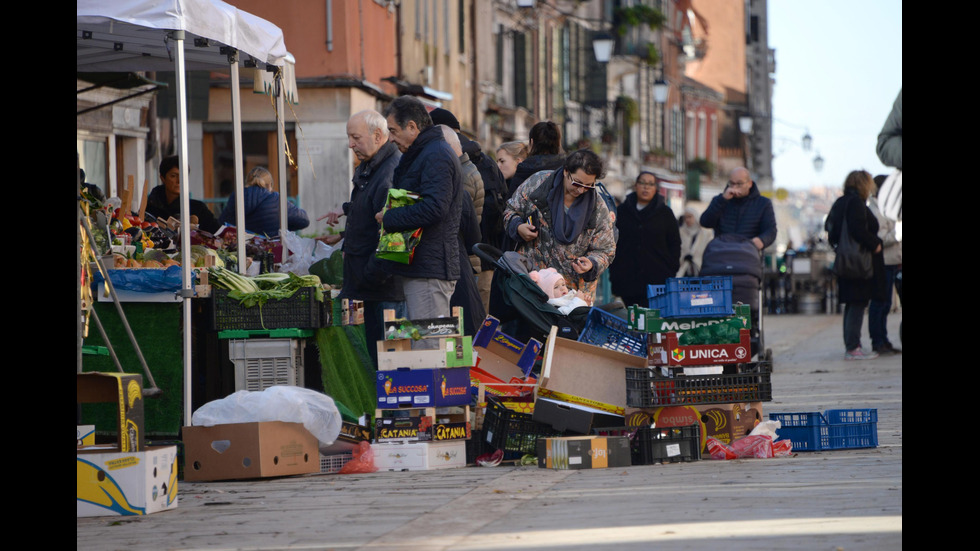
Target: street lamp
{"points": [[602, 45], [818, 162], [807, 141], [745, 124], [660, 89]]}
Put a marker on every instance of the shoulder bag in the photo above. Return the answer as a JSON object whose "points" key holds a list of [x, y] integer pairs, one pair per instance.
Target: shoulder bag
{"points": [[852, 261]]}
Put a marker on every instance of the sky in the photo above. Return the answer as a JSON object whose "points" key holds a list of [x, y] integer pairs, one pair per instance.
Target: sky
{"points": [[838, 72]]}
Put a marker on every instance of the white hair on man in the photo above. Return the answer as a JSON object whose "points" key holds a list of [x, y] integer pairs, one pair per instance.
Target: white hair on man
{"points": [[452, 139], [374, 121]]}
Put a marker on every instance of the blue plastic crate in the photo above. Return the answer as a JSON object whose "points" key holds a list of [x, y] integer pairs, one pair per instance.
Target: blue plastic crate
{"points": [[692, 296], [834, 429], [608, 331]]}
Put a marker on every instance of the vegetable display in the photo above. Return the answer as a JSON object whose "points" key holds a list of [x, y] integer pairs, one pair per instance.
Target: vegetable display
{"points": [[257, 290]]}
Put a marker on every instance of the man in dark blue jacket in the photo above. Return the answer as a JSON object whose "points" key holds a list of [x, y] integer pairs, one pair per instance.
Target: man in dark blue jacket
{"points": [[430, 168], [364, 278], [742, 210]]}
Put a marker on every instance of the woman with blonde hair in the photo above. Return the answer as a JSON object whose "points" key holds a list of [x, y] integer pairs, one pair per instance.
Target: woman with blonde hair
{"points": [[509, 155], [262, 206], [851, 210]]}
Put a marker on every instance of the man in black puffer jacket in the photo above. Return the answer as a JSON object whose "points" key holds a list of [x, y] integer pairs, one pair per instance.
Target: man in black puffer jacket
{"points": [[430, 168]]}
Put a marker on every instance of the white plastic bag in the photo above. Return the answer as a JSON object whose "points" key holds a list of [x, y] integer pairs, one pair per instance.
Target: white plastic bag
{"points": [[767, 428], [291, 404], [303, 252]]}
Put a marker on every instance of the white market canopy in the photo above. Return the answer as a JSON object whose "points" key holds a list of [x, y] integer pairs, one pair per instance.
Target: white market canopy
{"points": [[132, 35], [180, 36]]}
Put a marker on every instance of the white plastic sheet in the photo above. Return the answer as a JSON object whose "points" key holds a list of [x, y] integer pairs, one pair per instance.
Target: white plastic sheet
{"points": [[291, 404]]}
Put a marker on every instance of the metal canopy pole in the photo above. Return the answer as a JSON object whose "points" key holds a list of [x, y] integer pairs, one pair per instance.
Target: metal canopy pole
{"points": [[236, 132], [187, 290], [281, 151]]}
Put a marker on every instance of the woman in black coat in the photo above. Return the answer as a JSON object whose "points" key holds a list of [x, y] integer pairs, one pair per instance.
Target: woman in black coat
{"points": [[862, 226], [649, 246]]}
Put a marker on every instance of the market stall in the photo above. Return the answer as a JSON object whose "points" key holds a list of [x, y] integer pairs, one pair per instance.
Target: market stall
{"points": [[148, 35]]}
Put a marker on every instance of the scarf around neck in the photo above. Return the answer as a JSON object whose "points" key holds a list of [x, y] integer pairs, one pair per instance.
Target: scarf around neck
{"points": [[567, 226]]}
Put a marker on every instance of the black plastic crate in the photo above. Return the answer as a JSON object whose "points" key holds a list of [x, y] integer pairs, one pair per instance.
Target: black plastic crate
{"points": [[659, 445], [510, 431], [648, 388], [300, 311], [475, 446], [667, 445]]}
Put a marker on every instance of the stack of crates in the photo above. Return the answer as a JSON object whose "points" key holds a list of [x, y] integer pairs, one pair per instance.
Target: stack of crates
{"points": [[702, 376], [422, 420]]}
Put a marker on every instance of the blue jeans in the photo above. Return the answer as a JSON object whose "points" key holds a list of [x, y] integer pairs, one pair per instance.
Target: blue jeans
{"points": [[853, 320], [878, 312]]}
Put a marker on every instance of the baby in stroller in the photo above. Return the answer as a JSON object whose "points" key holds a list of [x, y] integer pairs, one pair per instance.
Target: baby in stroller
{"points": [[559, 296]]}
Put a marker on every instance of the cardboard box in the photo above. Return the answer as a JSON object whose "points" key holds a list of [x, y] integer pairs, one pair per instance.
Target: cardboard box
{"points": [[501, 355], [123, 389], [419, 456], [125, 478], [580, 373], [422, 425], [452, 352], [423, 387], [726, 422], [564, 416], [664, 349], [249, 450], [112, 482], [85, 435], [584, 452]]}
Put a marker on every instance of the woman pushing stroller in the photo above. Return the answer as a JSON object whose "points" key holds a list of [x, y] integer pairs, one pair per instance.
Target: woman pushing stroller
{"points": [[558, 221]]}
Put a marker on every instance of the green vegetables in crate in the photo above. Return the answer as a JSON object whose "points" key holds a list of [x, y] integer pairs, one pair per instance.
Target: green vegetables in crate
{"points": [[257, 290], [726, 332]]}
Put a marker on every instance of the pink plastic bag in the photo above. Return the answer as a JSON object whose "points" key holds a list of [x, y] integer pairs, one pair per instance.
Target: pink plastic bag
{"points": [[361, 462]]}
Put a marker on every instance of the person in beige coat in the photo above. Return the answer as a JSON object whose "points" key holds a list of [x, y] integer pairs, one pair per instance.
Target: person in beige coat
{"points": [[694, 238]]}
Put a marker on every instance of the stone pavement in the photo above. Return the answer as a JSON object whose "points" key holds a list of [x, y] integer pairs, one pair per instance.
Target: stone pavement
{"points": [[836, 500]]}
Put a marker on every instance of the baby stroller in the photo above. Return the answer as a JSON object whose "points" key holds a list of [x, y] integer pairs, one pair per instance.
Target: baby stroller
{"points": [[738, 257], [516, 299]]}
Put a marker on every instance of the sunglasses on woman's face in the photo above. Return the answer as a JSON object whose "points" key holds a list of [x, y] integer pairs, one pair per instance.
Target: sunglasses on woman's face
{"points": [[576, 183]]}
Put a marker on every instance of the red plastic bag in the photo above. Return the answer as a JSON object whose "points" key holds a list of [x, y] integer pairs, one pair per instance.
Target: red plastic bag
{"points": [[361, 462], [758, 446], [720, 450], [782, 448]]}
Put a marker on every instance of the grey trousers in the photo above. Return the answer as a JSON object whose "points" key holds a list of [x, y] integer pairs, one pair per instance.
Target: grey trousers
{"points": [[427, 298]]}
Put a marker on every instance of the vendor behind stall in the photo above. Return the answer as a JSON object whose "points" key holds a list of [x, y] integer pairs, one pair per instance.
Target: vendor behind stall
{"points": [[164, 200], [262, 206]]}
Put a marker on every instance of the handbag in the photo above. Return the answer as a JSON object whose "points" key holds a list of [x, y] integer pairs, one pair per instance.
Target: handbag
{"points": [[852, 261]]}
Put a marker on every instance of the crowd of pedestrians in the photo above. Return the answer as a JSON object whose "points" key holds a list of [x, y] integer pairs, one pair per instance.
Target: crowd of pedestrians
{"points": [[543, 203]]}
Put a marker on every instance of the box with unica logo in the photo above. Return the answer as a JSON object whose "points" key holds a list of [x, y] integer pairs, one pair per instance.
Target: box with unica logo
{"points": [[584, 452], [399, 388], [725, 422]]}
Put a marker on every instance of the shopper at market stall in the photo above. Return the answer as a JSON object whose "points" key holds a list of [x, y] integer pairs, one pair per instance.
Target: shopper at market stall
{"points": [[558, 221], [494, 197], [862, 227], [163, 202], [262, 206], [364, 277], [429, 167], [544, 141], [649, 246]]}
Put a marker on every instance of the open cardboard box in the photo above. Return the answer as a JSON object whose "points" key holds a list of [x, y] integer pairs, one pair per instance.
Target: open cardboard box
{"points": [[587, 375], [126, 478], [725, 422]]}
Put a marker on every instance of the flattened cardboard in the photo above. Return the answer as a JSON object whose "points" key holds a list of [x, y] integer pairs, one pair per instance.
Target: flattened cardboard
{"points": [[590, 372], [238, 451], [584, 452]]}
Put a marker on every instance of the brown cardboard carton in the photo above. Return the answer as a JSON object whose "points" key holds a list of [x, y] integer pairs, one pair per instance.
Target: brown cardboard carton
{"points": [[249, 450]]}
